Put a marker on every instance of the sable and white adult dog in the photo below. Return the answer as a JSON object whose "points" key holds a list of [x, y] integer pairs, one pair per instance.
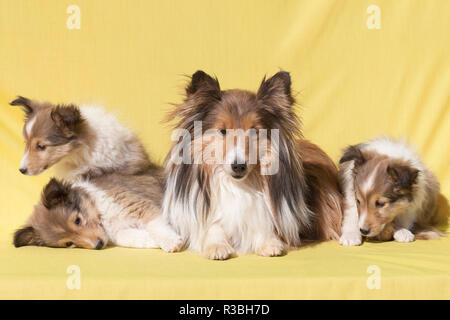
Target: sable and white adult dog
{"points": [[79, 141], [389, 194], [111, 209], [221, 202]]}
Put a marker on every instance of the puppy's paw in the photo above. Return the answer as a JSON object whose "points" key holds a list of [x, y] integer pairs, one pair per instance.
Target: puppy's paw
{"points": [[403, 235], [350, 239], [272, 248], [173, 243], [387, 234], [218, 251]]}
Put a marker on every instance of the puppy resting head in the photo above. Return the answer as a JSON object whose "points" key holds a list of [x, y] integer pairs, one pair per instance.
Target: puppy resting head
{"points": [[65, 217], [383, 189]]}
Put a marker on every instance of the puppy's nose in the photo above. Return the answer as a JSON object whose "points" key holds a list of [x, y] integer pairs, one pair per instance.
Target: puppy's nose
{"points": [[364, 231], [23, 170], [99, 245], [239, 169]]}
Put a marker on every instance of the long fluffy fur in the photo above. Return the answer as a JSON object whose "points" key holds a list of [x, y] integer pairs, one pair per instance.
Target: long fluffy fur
{"points": [[78, 141], [257, 214], [421, 213], [113, 209]]}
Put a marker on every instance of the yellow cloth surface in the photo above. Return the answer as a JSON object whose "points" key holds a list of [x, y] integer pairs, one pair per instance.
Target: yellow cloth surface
{"points": [[352, 83]]}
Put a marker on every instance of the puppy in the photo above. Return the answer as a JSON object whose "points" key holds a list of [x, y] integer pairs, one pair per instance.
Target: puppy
{"points": [[241, 179], [79, 141], [108, 210], [389, 194]]}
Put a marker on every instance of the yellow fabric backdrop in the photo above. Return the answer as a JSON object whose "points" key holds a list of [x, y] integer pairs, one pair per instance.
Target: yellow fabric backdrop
{"points": [[352, 82]]}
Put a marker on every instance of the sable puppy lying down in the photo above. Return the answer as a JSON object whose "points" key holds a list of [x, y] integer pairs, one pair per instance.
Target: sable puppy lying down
{"points": [[114, 209], [389, 194], [117, 203]]}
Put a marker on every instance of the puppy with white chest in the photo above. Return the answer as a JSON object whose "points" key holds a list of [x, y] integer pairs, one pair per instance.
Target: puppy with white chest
{"points": [[389, 194], [112, 209], [77, 141], [112, 192]]}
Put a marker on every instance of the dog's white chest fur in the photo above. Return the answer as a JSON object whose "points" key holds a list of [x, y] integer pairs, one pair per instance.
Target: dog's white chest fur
{"points": [[242, 212], [238, 214]]}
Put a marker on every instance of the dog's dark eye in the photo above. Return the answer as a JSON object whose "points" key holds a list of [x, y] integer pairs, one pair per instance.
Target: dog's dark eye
{"points": [[69, 244], [77, 221], [379, 204], [223, 132], [40, 147], [357, 200]]}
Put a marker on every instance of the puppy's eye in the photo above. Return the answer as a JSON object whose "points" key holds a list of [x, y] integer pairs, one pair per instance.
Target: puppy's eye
{"points": [[223, 132], [379, 204], [69, 244], [40, 147], [77, 221], [357, 201]]}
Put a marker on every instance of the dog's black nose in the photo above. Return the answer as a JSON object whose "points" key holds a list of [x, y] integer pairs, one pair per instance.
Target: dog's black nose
{"points": [[364, 231], [99, 245], [239, 169], [23, 170]]}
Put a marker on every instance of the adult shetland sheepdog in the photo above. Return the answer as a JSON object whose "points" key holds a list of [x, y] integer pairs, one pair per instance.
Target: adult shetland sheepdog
{"points": [[389, 194], [112, 209], [222, 200], [80, 141]]}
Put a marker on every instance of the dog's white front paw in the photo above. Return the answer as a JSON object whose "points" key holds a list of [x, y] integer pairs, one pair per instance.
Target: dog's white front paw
{"points": [[350, 239], [271, 248], [218, 251], [173, 243], [403, 235]]}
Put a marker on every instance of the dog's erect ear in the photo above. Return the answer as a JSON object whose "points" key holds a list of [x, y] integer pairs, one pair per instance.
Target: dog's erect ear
{"points": [[25, 103], [27, 236], [202, 92], [55, 193], [353, 153], [67, 118], [276, 91], [402, 175], [202, 82]]}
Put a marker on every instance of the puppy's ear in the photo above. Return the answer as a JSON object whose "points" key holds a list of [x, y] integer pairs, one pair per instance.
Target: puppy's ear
{"points": [[55, 193], [67, 118], [27, 236], [275, 92], [403, 176], [353, 153], [201, 82], [26, 104]]}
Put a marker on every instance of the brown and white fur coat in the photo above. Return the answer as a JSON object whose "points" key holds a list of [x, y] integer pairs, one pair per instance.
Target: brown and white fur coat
{"points": [[111, 209], [389, 194], [228, 206], [110, 183], [77, 141]]}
